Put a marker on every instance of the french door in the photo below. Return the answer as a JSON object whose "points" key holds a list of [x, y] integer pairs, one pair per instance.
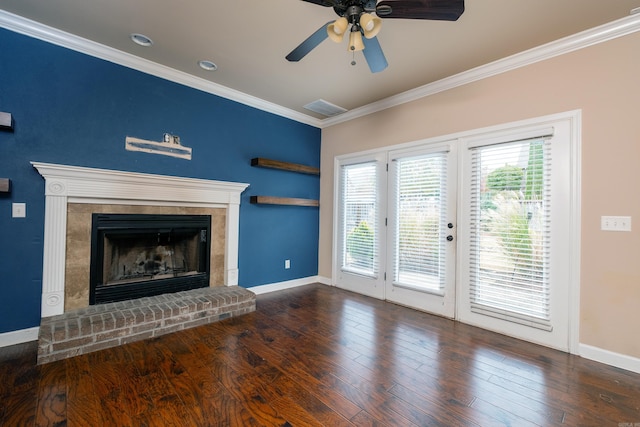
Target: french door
{"points": [[360, 213], [421, 228], [515, 243], [480, 228]]}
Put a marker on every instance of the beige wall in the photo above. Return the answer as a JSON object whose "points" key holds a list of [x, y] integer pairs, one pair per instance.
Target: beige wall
{"points": [[604, 82]]}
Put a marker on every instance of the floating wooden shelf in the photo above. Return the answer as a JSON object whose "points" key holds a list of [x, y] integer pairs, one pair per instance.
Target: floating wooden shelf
{"points": [[270, 200], [291, 167]]}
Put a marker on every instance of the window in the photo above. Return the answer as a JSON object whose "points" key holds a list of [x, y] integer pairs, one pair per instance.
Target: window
{"points": [[359, 194]]}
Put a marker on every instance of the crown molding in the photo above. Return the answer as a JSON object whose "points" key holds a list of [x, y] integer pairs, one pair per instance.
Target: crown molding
{"points": [[619, 28], [61, 38]]}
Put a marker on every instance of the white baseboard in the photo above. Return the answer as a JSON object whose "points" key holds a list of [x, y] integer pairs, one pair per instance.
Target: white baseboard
{"points": [[610, 358], [324, 280], [18, 337], [279, 286]]}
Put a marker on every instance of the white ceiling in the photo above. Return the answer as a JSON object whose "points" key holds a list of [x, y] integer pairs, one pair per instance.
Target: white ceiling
{"points": [[249, 39]]}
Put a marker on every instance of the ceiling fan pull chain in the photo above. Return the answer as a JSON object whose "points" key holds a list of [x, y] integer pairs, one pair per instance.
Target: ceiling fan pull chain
{"points": [[353, 59]]}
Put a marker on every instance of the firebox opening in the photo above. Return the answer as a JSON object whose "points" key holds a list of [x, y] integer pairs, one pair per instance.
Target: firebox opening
{"points": [[136, 255]]}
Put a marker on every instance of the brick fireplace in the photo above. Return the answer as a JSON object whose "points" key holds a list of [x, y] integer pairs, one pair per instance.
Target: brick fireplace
{"points": [[72, 324]]}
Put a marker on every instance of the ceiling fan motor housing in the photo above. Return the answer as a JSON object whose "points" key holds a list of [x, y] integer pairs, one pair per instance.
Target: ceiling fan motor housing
{"points": [[349, 8]]}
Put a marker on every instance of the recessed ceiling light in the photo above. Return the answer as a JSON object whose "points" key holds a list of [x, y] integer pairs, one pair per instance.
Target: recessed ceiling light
{"points": [[141, 39], [207, 65]]}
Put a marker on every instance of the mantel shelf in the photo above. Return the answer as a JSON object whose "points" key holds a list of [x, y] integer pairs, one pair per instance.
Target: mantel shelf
{"points": [[286, 166], [270, 200]]}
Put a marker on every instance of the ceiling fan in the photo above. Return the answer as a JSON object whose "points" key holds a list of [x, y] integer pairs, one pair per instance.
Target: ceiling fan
{"points": [[359, 15]]}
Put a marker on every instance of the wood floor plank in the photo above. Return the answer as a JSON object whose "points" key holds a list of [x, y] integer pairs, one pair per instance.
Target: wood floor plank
{"points": [[203, 386], [449, 412], [20, 410], [279, 388], [151, 365], [52, 395], [137, 399], [184, 385], [108, 378], [300, 372], [83, 408], [210, 366], [294, 413], [19, 377]]}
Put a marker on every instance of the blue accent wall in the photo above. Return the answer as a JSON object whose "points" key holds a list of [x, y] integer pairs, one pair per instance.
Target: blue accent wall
{"points": [[74, 109]]}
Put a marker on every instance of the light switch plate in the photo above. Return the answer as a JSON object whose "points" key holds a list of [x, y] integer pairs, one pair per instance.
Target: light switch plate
{"points": [[615, 223], [19, 210]]}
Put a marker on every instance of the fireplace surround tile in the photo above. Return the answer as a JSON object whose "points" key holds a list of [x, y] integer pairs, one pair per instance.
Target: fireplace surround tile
{"points": [[78, 246]]}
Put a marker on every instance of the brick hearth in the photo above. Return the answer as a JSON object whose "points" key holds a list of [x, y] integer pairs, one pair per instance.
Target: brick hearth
{"points": [[102, 326]]}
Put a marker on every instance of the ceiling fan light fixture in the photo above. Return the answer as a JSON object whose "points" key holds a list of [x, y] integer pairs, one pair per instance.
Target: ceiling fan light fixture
{"points": [[370, 24], [337, 28], [355, 40]]}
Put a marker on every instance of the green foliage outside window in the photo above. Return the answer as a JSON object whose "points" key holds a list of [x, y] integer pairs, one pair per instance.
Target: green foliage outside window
{"points": [[360, 243]]}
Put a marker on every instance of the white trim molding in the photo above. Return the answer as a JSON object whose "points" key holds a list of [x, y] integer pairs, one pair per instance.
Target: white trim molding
{"points": [[611, 358], [289, 284], [73, 184], [19, 336]]}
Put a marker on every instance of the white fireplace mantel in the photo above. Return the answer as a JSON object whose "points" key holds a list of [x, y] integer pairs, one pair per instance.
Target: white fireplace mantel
{"points": [[73, 184]]}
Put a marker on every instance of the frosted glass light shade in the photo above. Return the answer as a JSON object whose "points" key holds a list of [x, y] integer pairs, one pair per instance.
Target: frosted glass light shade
{"points": [[370, 25], [337, 28], [355, 41]]}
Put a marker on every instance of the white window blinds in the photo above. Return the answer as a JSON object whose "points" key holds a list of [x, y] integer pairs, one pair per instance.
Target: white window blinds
{"points": [[359, 226], [510, 232], [420, 198]]}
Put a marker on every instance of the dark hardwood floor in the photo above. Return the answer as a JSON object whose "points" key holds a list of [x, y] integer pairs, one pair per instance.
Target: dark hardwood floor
{"points": [[319, 356]]}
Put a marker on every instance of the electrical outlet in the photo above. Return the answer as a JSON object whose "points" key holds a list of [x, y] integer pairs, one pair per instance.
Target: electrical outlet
{"points": [[287, 263], [19, 210], [615, 223]]}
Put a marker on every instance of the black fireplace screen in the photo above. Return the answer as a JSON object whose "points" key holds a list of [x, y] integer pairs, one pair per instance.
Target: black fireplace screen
{"points": [[143, 255]]}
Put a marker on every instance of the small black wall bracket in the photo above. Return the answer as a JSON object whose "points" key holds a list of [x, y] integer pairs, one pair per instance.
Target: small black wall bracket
{"points": [[6, 122]]}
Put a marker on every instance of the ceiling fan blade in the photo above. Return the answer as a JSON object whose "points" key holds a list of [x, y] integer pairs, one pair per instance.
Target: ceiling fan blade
{"points": [[441, 10], [309, 44], [326, 3], [374, 55]]}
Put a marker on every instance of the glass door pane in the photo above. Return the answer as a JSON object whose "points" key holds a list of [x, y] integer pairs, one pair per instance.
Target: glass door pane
{"points": [[421, 195], [510, 214]]}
